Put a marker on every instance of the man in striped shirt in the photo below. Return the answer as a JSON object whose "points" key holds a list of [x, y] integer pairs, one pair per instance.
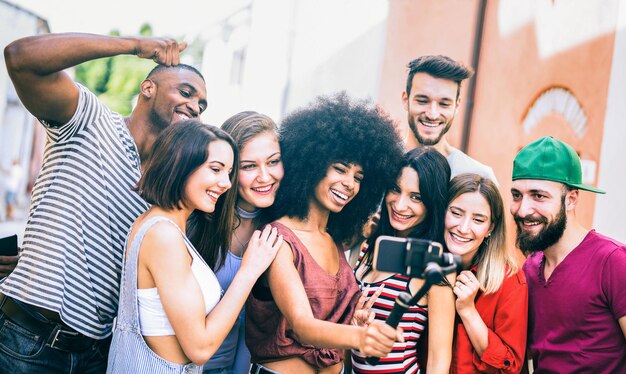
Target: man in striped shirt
{"points": [[58, 305]]}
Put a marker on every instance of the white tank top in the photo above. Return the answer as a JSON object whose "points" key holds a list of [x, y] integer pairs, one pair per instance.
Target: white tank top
{"points": [[152, 318]]}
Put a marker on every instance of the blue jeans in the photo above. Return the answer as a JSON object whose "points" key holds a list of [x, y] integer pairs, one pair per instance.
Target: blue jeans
{"points": [[21, 351], [218, 371]]}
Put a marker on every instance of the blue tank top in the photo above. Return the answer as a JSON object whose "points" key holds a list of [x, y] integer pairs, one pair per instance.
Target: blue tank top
{"points": [[233, 353]]}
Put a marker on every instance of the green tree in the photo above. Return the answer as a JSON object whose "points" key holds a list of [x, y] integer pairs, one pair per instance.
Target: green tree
{"points": [[115, 80]]}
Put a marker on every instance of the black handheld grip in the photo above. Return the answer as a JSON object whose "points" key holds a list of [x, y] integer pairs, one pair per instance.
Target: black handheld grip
{"points": [[401, 305]]}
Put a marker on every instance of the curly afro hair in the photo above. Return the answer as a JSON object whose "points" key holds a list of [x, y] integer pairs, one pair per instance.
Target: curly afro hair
{"points": [[337, 129]]}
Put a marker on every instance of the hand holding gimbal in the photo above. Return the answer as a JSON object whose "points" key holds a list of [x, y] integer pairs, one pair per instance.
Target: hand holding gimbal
{"points": [[415, 258]]}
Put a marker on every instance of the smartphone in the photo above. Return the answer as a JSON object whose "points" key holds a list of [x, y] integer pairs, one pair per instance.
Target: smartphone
{"points": [[8, 246], [407, 256]]}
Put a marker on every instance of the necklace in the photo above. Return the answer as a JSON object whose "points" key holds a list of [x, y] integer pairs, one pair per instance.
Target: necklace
{"points": [[243, 214], [242, 244]]}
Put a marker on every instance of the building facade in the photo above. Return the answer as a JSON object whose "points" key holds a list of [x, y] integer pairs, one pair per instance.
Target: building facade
{"points": [[543, 67], [20, 138]]}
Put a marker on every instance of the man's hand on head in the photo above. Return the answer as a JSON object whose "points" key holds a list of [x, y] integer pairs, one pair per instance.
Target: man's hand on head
{"points": [[160, 50]]}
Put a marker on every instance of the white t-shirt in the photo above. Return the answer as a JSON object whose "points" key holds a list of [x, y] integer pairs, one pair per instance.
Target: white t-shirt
{"points": [[461, 163], [14, 179]]}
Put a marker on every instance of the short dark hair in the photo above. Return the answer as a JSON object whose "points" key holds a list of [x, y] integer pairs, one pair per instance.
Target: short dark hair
{"points": [[160, 68], [244, 126], [336, 129], [178, 151], [565, 189], [433, 173], [439, 67]]}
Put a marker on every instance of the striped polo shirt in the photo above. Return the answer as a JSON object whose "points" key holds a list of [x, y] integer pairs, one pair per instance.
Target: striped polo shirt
{"points": [[81, 210]]}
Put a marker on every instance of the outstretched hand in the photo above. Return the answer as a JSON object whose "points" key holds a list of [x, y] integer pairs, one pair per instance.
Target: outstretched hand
{"points": [[262, 249], [160, 50]]}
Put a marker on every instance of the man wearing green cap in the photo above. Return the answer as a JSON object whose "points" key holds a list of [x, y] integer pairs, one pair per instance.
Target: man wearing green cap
{"points": [[576, 277]]}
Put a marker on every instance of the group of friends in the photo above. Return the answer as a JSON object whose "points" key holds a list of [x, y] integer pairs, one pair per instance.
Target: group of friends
{"points": [[156, 243]]}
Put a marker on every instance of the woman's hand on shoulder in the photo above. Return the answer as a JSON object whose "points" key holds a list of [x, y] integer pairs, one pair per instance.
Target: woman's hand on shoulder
{"points": [[377, 339], [261, 250]]}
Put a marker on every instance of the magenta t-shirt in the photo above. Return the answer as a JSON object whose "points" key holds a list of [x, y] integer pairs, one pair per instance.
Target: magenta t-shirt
{"points": [[573, 316]]}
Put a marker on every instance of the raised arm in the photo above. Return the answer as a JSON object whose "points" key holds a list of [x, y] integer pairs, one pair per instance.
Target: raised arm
{"points": [[36, 63], [291, 298]]}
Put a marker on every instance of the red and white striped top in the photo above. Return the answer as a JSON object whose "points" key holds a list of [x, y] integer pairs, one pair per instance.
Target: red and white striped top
{"points": [[403, 357]]}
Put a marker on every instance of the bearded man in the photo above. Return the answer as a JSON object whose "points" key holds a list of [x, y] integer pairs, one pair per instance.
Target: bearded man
{"points": [[576, 277], [432, 100]]}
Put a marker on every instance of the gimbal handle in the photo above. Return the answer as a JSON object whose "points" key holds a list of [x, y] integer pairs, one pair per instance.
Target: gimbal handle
{"points": [[433, 274]]}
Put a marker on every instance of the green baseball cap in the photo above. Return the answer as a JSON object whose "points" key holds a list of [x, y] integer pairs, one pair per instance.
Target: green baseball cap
{"points": [[550, 159]]}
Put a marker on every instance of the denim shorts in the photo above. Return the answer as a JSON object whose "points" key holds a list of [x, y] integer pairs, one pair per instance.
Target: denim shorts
{"points": [[261, 368]]}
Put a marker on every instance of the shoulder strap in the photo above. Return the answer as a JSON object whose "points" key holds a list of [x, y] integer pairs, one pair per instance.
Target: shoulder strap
{"points": [[128, 311]]}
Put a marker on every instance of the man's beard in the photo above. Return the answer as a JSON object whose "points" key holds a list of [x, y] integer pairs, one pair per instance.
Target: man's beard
{"points": [[547, 237], [424, 141]]}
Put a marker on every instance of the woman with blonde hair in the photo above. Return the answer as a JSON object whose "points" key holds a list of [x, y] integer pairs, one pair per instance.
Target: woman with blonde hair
{"points": [[259, 176], [491, 292]]}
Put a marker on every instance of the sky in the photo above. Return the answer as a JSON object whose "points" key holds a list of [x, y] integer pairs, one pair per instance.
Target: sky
{"points": [[167, 18]]}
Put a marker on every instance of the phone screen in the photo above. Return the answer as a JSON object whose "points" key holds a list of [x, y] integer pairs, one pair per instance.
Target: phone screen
{"points": [[8, 246], [389, 254], [405, 256]]}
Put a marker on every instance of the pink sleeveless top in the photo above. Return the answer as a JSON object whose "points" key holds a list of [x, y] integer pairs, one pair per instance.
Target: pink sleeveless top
{"points": [[332, 298]]}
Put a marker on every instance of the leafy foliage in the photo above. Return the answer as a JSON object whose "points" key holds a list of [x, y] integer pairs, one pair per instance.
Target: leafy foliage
{"points": [[115, 80]]}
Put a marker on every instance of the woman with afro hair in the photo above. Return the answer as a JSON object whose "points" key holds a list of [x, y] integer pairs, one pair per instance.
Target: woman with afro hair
{"points": [[339, 158]]}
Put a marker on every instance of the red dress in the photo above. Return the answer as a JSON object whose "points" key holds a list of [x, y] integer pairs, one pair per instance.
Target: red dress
{"points": [[505, 313]]}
